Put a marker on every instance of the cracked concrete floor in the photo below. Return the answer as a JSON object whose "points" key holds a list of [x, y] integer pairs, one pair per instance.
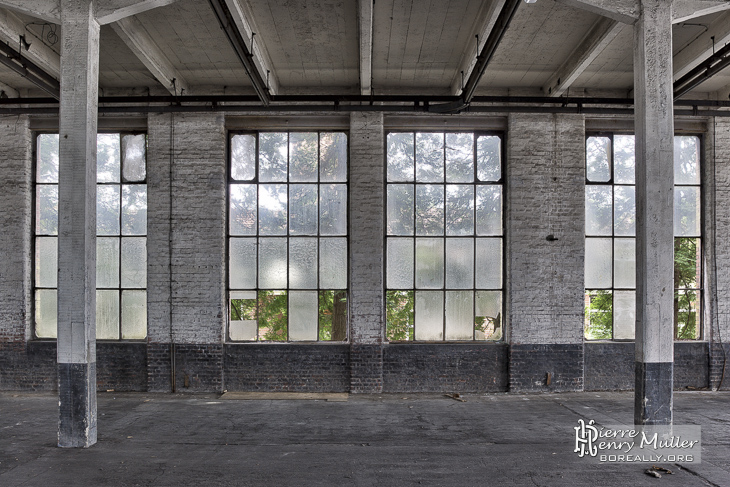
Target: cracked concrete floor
{"points": [[387, 439]]}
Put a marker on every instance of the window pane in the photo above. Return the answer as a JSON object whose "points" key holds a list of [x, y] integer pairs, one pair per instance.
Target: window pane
{"points": [[272, 314], [597, 159], [134, 157], [687, 313], [46, 308], [303, 157], [429, 263], [134, 315], [302, 263], [108, 162], [599, 207], [46, 261], [243, 324], [429, 315], [303, 209], [429, 157], [303, 314], [107, 315], [243, 157], [624, 211], [598, 263], [489, 156], [333, 263], [624, 315], [489, 210], [429, 209], [47, 167], [686, 211], [489, 263], [242, 216], [488, 315], [134, 209], [459, 315], [107, 262], [107, 210], [687, 263], [400, 209], [399, 315], [332, 316], [624, 161], [400, 157], [624, 263], [272, 209], [686, 160], [400, 263], [134, 262], [598, 315], [459, 263], [273, 155], [459, 158], [46, 210], [333, 157], [242, 263], [459, 209], [272, 263], [333, 209]]}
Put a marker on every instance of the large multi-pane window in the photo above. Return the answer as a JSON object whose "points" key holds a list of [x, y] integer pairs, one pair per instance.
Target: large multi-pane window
{"points": [[610, 209], [287, 245], [121, 242], [444, 236]]}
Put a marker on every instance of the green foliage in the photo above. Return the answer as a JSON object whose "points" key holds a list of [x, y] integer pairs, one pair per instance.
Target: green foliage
{"points": [[599, 315], [332, 315], [686, 279], [399, 307]]}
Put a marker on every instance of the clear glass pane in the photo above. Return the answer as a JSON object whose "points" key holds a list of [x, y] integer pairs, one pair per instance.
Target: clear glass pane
{"points": [[598, 263], [134, 147], [687, 314], [489, 158], [333, 263], [687, 211], [134, 315], [107, 315], [333, 209], [459, 315], [303, 209], [429, 263], [686, 160], [488, 315], [687, 262], [624, 161], [108, 161], [46, 261], [333, 157], [303, 314], [624, 263], [624, 315], [598, 323], [489, 263], [242, 263], [598, 150], [107, 262], [273, 154], [429, 315], [400, 157], [489, 210], [459, 209], [459, 263], [134, 209], [429, 158], [46, 210], [243, 324], [399, 306], [429, 209], [272, 209], [272, 316], [272, 263], [459, 158], [400, 263], [243, 157], [47, 168], [624, 211], [400, 209], [242, 214], [303, 263], [134, 262], [599, 209], [107, 209], [46, 309], [303, 156]]}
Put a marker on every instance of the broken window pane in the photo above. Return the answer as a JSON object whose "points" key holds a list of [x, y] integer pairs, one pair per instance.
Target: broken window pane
{"points": [[133, 159], [687, 314], [598, 150], [400, 157], [303, 315], [429, 324], [47, 164], [488, 315], [489, 157], [430, 157], [400, 209], [272, 316], [242, 214], [134, 315], [460, 158], [273, 154], [243, 319], [303, 157], [687, 263], [47, 210], [459, 315], [399, 315], [333, 157], [332, 316], [243, 157], [598, 315], [108, 162]]}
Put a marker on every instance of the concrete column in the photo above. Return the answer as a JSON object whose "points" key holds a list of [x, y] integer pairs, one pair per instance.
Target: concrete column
{"points": [[77, 225], [654, 126]]}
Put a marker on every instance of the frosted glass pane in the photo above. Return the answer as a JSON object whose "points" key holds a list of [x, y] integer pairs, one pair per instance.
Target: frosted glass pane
{"points": [[46, 309], [459, 315], [303, 315], [624, 263], [599, 209], [686, 160], [107, 262], [107, 210], [243, 157], [459, 209], [489, 210], [303, 157], [273, 154], [489, 157], [134, 315], [429, 158], [489, 263], [597, 159], [333, 263], [133, 157], [624, 161], [47, 167], [46, 210], [303, 263], [429, 315], [272, 263], [134, 209], [242, 263], [303, 209], [429, 263], [400, 263], [134, 262], [242, 215], [333, 157], [624, 315], [459, 263], [488, 315], [686, 211], [400, 157], [272, 209], [333, 209], [243, 323], [108, 161], [459, 158], [624, 211], [107, 315], [598, 263], [46, 261], [400, 209], [429, 209]]}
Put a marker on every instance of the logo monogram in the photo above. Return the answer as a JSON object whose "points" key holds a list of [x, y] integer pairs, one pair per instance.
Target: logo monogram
{"points": [[585, 437]]}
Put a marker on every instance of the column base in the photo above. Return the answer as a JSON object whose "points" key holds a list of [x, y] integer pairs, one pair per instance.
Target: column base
{"points": [[77, 405], [653, 393]]}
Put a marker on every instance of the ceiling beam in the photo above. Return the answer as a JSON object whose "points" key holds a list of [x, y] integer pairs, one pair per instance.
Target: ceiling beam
{"points": [[48, 10], [703, 46], [27, 69], [9, 91], [603, 31], [136, 37], [11, 28], [624, 11], [365, 18], [684, 10], [108, 11], [705, 70]]}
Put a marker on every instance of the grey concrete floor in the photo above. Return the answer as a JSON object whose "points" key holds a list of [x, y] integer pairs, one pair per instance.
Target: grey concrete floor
{"points": [[398, 439]]}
